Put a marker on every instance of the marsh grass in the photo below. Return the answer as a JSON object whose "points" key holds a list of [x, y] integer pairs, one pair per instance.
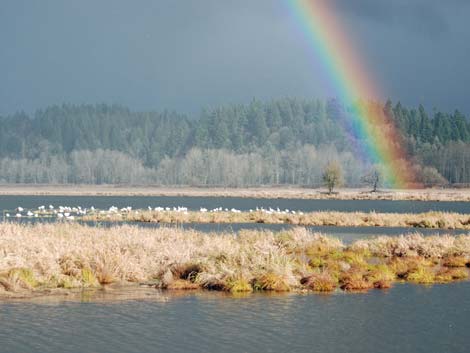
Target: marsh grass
{"points": [[433, 220], [47, 256], [320, 282], [422, 275], [445, 275]]}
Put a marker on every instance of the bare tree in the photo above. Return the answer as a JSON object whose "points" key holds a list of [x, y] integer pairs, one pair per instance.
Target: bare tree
{"points": [[332, 176], [373, 178]]}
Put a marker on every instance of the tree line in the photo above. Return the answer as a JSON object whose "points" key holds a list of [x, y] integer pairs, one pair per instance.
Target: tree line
{"points": [[284, 141]]}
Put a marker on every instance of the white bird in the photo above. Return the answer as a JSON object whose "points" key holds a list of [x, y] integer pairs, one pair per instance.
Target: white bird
{"points": [[51, 207], [19, 209], [30, 214], [60, 215], [18, 215], [8, 215]]}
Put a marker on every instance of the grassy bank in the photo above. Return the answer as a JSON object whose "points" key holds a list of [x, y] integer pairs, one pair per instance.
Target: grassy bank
{"points": [[254, 192], [442, 220], [41, 258]]}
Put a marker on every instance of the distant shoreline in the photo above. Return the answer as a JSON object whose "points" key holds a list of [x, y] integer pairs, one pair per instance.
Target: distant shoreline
{"points": [[266, 192]]}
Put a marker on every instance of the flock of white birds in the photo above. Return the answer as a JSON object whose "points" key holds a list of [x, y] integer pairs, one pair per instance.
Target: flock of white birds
{"points": [[71, 213]]}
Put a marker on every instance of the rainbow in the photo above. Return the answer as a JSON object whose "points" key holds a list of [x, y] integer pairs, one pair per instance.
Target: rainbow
{"points": [[332, 48]]}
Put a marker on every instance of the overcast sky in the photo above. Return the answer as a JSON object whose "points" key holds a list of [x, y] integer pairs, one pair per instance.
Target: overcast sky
{"points": [[189, 54]]}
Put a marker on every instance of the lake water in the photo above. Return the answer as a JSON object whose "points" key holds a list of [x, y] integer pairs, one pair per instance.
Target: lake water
{"points": [[195, 203], [406, 318], [347, 234]]}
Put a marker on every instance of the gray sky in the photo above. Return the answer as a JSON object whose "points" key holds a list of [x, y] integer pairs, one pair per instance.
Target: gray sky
{"points": [[188, 54]]}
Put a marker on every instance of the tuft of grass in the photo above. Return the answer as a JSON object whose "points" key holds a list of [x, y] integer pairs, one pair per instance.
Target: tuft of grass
{"points": [[320, 282], [18, 278], [353, 258], [105, 276], [381, 276], [315, 262], [445, 275], [403, 267], [26, 276], [239, 284], [422, 275], [65, 282], [88, 278], [354, 280], [271, 282], [455, 261]]}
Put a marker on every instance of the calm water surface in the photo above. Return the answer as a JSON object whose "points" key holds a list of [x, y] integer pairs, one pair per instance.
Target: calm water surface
{"points": [[195, 203], [405, 319]]}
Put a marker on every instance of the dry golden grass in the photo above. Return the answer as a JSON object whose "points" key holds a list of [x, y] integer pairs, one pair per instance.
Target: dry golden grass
{"points": [[443, 220], [34, 258], [320, 282], [284, 192]]}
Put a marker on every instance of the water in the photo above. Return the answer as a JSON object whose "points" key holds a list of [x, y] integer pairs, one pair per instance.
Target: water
{"points": [[195, 203], [407, 318]]}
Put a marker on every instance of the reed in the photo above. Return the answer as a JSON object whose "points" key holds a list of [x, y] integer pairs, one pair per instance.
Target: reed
{"points": [[433, 220], [41, 257]]}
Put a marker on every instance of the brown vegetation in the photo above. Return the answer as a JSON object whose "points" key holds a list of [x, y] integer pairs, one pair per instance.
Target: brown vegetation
{"points": [[442, 220], [41, 257], [254, 192]]}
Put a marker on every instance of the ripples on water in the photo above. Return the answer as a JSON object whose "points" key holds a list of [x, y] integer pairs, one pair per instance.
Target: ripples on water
{"points": [[195, 203], [406, 318]]}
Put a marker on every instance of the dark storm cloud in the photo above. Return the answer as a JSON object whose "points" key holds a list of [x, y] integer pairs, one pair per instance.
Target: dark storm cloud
{"points": [[184, 55], [426, 17]]}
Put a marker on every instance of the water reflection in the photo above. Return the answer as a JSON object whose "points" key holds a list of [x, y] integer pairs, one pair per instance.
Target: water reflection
{"points": [[407, 318]]}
